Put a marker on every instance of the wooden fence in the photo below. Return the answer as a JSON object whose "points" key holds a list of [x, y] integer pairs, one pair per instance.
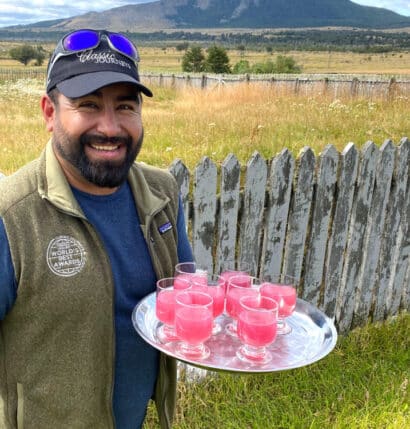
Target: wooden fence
{"points": [[338, 222], [334, 85]]}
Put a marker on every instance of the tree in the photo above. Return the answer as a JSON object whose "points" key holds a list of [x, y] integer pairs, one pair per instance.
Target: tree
{"points": [[40, 56], [25, 53], [241, 67], [193, 60], [286, 64], [217, 60]]}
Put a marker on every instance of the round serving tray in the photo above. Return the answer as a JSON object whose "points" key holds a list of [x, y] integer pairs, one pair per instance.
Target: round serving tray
{"points": [[313, 336]]}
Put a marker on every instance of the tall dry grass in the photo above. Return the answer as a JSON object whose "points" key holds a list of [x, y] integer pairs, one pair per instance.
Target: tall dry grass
{"points": [[192, 123], [241, 119]]}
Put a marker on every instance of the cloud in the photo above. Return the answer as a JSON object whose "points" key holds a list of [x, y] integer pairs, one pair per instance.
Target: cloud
{"points": [[400, 6], [31, 11]]}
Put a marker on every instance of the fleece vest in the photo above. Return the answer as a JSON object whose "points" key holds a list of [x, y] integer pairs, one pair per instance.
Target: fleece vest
{"points": [[57, 343]]}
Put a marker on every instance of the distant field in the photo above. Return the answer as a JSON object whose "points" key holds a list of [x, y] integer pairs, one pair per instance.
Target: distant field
{"points": [[169, 60], [156, 59]]}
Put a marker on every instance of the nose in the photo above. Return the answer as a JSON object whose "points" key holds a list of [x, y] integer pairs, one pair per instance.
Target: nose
{"points": [[109, 123]]}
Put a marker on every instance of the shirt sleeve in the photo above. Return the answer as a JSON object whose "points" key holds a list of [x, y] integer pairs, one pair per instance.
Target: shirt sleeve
{"points": [[8, 286], [184, 246]]}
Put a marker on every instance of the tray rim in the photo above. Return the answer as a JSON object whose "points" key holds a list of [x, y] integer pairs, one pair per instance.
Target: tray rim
{"points": [[254, 369]]}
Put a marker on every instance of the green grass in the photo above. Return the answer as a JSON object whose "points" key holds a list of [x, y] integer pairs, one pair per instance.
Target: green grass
{"points": [[362, 384]]}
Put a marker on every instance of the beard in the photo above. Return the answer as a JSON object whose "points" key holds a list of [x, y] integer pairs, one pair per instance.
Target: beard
{"points": [[106, 174]]}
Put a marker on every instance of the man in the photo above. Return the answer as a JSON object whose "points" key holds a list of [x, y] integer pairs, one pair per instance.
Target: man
{"points": [[84, 234]]}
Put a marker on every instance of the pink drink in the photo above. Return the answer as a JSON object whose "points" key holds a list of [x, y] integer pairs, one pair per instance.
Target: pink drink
{"points": [[193, 325], [197, 278], [256, 329], [284, 295], [233, 295], [218, 295], [227, 275], [182, 281], [165, 306]]}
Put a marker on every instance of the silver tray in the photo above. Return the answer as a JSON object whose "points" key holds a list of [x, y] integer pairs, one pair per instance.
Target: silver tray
{"points": [[313, 336]]}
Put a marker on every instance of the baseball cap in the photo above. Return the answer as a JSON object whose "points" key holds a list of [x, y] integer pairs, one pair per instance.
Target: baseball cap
{"points": [[86, 60]]}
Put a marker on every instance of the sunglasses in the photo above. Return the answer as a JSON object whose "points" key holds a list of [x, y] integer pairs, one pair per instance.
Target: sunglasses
{"points": [[82, 40]]}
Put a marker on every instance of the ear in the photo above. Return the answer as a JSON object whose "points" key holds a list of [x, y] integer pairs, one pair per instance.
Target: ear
{"points": [[49, 111]]}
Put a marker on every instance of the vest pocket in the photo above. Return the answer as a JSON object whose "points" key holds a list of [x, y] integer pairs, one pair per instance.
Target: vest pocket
{"points": [[20, 406]]}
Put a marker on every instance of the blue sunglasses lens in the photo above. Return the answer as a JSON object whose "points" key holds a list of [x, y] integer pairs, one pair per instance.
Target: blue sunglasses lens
{"points": [[123, 45], [81, 40]]}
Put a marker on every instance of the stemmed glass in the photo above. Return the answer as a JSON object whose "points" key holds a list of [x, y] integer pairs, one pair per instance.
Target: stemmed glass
{"points": [[238, 286], [191, 271], [256, 328], [193, 323], [165, 307], [284, 292], [215, 287], [233, 268]]}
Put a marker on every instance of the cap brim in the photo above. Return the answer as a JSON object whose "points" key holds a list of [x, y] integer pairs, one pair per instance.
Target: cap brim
{"points": [[87, 83]]}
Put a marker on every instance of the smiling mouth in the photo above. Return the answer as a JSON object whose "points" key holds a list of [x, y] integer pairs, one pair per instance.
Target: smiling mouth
{"points": [[106, 147]]}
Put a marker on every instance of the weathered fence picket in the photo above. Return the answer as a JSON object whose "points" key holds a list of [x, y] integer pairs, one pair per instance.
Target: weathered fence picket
{"points": [[339, 222], [228, 214], [250, 231], [375, 225], [203, 218], [299, 215], [349, 162], [277, 208]]}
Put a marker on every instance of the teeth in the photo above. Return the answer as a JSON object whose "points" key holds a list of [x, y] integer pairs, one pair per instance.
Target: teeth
{"points": [[105, 147]]}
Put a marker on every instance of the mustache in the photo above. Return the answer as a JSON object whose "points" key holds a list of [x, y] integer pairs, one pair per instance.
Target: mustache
{"points": [[87, 139]]}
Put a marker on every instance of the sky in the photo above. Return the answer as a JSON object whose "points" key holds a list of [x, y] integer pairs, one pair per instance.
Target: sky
{"points": [[23, 12]]}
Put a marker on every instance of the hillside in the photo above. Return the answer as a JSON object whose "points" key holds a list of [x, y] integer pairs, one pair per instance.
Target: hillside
{"points": [[251, 14]]}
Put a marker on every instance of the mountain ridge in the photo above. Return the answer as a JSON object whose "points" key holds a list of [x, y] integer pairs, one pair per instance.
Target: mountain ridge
{"points": [[252, 14]]}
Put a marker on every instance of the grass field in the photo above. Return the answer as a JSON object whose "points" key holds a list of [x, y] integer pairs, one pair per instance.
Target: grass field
{"points": [[364, 382], [191, 123]]}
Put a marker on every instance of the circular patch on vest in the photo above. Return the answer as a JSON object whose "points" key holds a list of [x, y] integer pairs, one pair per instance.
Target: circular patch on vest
{"points": [[65, 256]]}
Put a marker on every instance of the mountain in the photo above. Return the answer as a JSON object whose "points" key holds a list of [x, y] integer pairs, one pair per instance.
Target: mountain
{"points": [[190, 14]]}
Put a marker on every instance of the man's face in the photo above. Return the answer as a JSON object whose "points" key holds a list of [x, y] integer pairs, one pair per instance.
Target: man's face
{"points": [[97, 137]]}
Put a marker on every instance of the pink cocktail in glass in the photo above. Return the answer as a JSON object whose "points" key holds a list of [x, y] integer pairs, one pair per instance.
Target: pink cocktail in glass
{"points": [[285, 294], [215, 287], [256, 327], [193, 323], [165, 307], [191, 272], [238, 287]]}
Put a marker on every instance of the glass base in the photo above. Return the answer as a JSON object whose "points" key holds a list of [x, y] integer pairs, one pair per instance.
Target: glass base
{"points": [[166, 333], [283, 328], [251, 354], [189, 351], [216, 328], [231, 328]]}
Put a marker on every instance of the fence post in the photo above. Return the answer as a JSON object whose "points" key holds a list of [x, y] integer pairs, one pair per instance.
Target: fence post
{"points": [[392, 89], [203, 81], [354, 87]]}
